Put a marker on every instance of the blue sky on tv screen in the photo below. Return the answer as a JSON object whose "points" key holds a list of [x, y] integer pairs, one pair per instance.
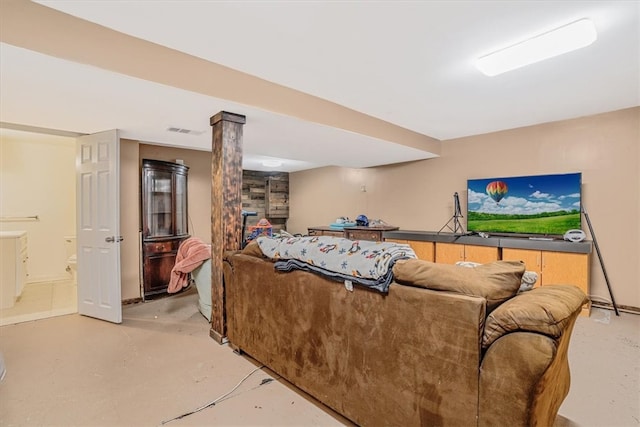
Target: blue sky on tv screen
{"points": [[527, 195]]}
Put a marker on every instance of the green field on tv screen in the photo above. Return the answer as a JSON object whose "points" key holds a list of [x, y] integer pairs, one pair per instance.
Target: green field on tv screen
{"points": [[557, 225]]}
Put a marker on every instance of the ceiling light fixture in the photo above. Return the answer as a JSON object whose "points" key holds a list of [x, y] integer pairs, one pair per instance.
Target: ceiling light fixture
{"points": [[569, 37], [271, 163]]}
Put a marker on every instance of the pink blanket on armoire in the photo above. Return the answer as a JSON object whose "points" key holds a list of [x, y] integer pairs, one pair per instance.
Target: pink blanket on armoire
{"points": [[191, 253]]}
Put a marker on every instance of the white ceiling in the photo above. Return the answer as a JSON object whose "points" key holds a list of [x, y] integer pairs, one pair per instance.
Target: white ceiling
{"points": [[409, 63]]}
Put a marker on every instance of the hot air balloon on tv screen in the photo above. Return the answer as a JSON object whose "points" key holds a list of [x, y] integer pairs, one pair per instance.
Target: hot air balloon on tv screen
{"points": [[497, 190]]}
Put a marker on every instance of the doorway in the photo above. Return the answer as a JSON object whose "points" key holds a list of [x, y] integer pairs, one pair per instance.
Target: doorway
{"points": [[37, 183]]}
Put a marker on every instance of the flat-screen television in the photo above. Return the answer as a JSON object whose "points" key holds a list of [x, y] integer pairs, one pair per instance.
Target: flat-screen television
{"points": [[526, 205]]}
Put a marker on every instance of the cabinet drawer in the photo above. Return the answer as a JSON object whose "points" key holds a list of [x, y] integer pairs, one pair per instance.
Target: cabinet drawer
{"points": [[374, 236], [151, 248], [333, 233]]}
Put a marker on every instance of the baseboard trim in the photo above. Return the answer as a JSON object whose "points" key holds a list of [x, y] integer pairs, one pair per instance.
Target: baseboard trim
{"points": [[609, 306], [47, 279]]}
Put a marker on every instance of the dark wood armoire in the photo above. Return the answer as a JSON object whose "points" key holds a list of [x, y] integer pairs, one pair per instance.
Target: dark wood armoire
{"points": [[164, 221]]}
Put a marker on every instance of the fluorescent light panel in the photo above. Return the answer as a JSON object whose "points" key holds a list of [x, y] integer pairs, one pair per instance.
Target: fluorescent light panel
{"points": [[565, 39]]}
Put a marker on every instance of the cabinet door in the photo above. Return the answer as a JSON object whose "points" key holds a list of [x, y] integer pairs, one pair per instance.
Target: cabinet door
{"points": [[158, 203], [423, 250], [159, 259], [181, 227], [561, 268], [157, 271], [566, 268], [449, 253], [8, 272], [480, 254], [532, 260]]}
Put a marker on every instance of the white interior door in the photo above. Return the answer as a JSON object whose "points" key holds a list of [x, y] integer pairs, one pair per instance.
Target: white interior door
{"points": [[98, 225]]}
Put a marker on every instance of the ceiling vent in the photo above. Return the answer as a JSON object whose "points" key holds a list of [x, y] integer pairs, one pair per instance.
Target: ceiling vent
{"points": [[187, 131]]}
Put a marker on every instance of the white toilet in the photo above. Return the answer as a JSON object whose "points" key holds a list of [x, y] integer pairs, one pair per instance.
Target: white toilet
{"points": [[72, 257]]}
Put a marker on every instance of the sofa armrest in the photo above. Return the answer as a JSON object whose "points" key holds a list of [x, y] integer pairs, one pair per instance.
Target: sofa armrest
{"points": [[511, 381], [524, 374], [546, 310]]}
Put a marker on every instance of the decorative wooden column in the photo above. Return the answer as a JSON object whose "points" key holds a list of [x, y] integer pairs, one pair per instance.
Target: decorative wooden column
{"points": [[226, 208]]}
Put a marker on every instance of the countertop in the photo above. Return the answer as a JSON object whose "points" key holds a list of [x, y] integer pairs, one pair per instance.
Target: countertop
{"points": [[12, 234], [556, 245]]}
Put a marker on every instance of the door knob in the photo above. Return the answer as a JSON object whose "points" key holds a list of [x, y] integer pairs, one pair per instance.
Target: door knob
{"points": [[112, 239]]}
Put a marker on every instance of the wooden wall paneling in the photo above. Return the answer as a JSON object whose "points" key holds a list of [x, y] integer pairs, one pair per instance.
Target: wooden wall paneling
{"points": [[277, 197], [254, 190], [226, 207]]}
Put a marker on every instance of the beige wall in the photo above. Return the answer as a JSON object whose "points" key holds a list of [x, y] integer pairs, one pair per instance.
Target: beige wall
{"points": [[419, 195], [37, 177]]}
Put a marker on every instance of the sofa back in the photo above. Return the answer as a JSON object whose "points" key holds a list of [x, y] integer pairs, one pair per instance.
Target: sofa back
{"points": [[409, 357]]}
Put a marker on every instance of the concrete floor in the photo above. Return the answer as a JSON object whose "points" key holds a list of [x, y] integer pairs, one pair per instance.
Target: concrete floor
{"points": [[604, 357], [161, 363]]}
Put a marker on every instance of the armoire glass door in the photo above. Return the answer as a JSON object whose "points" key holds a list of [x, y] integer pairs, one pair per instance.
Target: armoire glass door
{"points": [[159, 203], [181, 204]]}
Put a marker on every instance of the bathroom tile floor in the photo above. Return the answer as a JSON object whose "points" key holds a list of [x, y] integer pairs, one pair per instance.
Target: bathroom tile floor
{"points": [[41, 300]]}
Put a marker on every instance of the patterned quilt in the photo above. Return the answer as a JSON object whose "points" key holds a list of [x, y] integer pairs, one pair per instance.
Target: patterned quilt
{"points": [[352, 261]]}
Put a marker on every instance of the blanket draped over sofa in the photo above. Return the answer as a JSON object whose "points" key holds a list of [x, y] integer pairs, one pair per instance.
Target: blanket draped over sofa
{"points": [[445, 346], [363, 262]]}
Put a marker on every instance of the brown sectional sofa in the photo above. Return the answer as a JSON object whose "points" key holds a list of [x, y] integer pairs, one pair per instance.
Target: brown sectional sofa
{"points": [[446, 346]]}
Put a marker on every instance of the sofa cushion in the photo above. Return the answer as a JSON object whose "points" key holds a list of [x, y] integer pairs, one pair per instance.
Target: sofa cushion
{"points": [[544, 310], [529, 278], [253, 249], [496, 282]]}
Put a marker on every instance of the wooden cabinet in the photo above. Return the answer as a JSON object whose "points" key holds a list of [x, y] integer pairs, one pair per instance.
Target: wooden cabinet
{"points": [[423, 250], [555, 268], [13, 260], [164, 221], [450, 253], [555, 261]]}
